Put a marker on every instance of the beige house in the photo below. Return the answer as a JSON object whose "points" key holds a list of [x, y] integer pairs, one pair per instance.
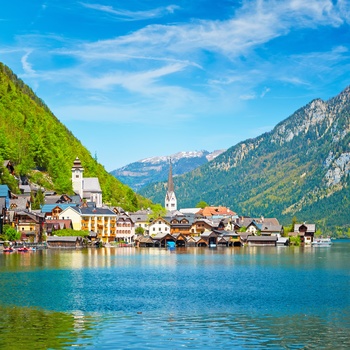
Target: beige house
{"points": [[200, 226]]}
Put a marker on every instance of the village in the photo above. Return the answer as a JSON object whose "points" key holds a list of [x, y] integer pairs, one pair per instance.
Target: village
{"points": [[211, 226]]}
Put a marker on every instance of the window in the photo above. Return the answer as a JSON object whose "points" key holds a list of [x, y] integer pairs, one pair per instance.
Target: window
{"points": [[154, 228], [159, 222], [160, 229]]}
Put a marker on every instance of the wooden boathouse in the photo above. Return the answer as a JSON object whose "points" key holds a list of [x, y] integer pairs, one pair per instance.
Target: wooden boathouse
{"points": [[70, 242], [262, 241]]}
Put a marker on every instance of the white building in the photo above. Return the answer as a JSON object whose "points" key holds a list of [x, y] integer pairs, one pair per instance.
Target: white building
{"points": [[125, 229], [88, 188], [159, 226]]}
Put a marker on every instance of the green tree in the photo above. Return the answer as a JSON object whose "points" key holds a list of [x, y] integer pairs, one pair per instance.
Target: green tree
{"points": [[38, 200], [10, 233], [347, 234], [318, 233], [290, 228], [295, 240], [139, 230], [202, 204]]}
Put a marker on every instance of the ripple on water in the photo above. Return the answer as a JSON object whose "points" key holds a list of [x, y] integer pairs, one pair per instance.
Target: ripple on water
{"points": [[220, 331]]}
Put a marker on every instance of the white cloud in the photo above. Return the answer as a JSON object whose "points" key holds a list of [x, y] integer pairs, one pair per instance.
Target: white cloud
{"points": [[265, 91], [157, 65], [253, 25], [139, 81], [126, 15], [247, 97], [27, 67]]}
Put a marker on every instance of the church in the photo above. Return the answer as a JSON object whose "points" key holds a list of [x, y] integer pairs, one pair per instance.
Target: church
{"points": [[87, 188], [170, 198]]}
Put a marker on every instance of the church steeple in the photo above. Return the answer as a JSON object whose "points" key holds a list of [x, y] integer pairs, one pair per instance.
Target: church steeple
{"points": [[170, 198], [77, 177]]}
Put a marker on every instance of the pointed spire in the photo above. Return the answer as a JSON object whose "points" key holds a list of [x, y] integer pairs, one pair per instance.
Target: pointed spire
{"points": [[170, 178], [170, 198]]}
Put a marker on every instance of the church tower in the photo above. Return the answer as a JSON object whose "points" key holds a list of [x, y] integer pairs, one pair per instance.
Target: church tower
{"points": [[77, 177], [170, 198]]}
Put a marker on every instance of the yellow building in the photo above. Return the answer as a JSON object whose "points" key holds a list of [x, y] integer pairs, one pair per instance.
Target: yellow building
{"points": [[99, 220]]}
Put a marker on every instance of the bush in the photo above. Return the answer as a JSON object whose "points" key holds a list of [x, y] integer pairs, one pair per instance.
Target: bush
{"points": [[295, 240], [10, 233]]}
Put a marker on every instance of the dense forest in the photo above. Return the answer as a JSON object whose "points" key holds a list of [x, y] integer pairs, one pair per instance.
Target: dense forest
{"points": [[43, 149], [299, 169]]}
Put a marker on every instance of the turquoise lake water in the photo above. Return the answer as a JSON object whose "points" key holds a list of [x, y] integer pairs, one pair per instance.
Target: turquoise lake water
{"points": [[197, 298]]}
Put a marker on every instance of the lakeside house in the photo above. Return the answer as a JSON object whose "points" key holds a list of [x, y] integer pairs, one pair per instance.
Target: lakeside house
{"points": [[306, 232], [125, 229], [159, 225], [100, 220]]}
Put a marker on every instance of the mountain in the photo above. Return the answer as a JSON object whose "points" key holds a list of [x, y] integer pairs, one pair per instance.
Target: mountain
{"points": [[155, 169], [301, 168], [43, 149]]}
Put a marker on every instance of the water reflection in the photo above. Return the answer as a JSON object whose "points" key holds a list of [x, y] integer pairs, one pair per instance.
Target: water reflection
{"points": [[28, 328], [32, 328], [111, 257], [252, 297]]}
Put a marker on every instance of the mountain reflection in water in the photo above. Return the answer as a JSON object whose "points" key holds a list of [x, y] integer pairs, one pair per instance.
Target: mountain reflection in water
{"points": [[196, 298]]}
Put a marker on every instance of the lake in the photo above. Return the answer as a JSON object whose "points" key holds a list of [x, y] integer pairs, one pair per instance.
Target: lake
{"points": [[197, 298]]}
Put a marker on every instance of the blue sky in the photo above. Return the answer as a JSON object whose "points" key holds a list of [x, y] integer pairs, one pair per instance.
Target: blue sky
{"points": [[135, 79]]}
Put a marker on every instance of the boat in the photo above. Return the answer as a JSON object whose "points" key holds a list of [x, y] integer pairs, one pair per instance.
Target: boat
{"points": [[322, 242], [170, 245], [23, 249], [8, 250]]}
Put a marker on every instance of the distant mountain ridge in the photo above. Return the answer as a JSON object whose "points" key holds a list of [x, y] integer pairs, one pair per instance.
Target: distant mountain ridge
{"points": [[301, 168], [155, 169]]}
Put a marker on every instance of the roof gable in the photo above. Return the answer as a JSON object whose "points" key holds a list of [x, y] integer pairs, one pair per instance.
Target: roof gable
{"points": [[91, 184]]}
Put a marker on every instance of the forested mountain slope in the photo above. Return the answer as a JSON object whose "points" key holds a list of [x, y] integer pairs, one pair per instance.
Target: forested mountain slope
{"points": [[41, 147], [300, 168], [154, 169]]}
